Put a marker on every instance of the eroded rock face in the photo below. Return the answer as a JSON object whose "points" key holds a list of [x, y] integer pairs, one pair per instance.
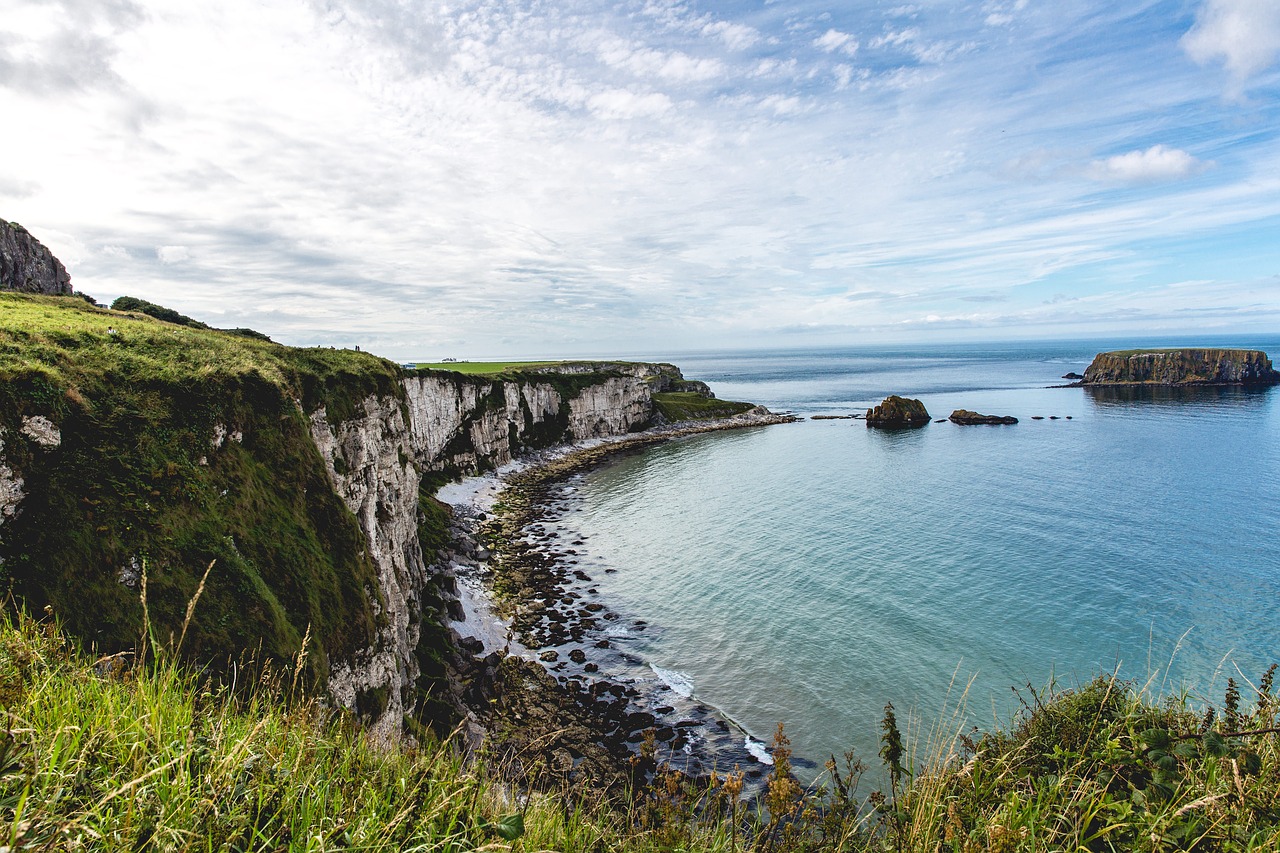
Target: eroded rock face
{"points": [[27, 266], [370, 464], [11, 487], [1181, 367], [448, 423], [461, 423], [896, 412], [964, 417]]}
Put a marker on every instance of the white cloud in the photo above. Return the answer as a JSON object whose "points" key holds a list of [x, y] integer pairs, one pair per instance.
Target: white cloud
{"points": [[1243, 34], [1157, 163], [735, 36], [172, 254], [833, 40], [625, 104]]}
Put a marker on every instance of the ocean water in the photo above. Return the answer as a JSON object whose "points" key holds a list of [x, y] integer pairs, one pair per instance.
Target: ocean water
{"points": [[811, 573]]}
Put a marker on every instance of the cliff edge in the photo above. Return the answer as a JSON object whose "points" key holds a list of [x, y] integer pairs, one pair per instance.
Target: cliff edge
{"points": [[134, 448], [1181, 367]]}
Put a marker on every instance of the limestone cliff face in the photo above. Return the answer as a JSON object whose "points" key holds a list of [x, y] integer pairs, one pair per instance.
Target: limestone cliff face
{"points": [[368, 460], [1181, 367], [27, 266], [450, 423], [463, 423]]}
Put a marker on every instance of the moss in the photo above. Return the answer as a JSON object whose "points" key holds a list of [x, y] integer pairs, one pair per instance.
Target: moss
{"points": [[690, 405], [137, 479]]}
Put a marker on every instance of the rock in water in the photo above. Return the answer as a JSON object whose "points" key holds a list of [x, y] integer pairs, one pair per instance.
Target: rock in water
{"points": [[964, 417], [1181, 367], [896, 412], [27, 266]]}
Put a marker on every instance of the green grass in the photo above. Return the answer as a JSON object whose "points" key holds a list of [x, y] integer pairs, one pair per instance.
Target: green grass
{"points": [[489, 368], [689, 405], [117, 754], [137, 479]]}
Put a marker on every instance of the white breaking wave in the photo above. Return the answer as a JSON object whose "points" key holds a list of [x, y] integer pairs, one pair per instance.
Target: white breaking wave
{"points": [[758, 751], [679, 683]]}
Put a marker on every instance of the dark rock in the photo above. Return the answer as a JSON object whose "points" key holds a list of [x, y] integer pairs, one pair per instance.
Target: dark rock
{"points": [[1181, 367], [1072, 376], [549, 656], [964, 417], [27, 266], [1037, 417], [470, 645], [578, 656], [897, 412], [591, 667]]}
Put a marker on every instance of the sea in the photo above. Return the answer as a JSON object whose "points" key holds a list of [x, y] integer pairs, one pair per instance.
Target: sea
{"points": [[812, 573]]}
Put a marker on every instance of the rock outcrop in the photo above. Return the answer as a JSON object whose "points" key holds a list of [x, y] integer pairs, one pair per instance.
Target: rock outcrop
{"points": [[964, 417], [1181, 367], [27, 266], [897, 412]]}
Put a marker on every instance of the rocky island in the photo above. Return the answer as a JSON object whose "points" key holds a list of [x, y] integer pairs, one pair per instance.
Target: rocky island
{"points": [[1181, 367], [896, 412], [964, 417]]}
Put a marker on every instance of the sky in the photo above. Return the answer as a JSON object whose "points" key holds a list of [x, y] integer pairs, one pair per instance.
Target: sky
{"points": [[529, 178]]}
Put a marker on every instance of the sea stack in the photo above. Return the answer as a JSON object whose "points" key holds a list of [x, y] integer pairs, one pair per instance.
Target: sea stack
{"points": [[1181, 367], [897, 412]]}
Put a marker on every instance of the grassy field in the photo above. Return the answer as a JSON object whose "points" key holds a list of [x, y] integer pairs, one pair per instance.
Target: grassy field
{"points": [[688, 405], [139, 753], [494, 368]]}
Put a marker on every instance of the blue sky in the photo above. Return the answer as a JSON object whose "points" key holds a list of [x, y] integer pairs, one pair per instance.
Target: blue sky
{"points": [[501, 178]]}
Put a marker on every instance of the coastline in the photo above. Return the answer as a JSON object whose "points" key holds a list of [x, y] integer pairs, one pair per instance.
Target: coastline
{"points": [[566, 700]]}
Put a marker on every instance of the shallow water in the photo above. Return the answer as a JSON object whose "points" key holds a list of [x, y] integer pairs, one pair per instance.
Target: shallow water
{"points": [[810, 573]]}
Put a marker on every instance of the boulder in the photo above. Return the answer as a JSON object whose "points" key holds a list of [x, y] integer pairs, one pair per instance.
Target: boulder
{"points": [[896, 412], [1072, 375], [964, 417]]}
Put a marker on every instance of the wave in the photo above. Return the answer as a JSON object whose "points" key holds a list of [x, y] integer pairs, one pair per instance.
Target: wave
{"points": [[680, 684], [758, 750]]}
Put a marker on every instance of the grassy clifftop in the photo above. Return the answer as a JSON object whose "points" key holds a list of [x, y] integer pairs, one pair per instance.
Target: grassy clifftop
{"points": [[176, 447]]}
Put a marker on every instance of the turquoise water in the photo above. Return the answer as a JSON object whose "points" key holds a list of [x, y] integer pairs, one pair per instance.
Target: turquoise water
{"points": [[810, 573]]}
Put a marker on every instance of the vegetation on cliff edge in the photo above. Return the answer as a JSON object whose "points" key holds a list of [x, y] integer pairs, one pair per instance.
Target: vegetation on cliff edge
{"points": [[117, 754], [181, 446]]}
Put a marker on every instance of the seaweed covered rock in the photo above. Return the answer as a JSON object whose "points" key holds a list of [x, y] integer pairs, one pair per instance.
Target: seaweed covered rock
{"points": [[896, 412], [964, 417], [1181, 367]]}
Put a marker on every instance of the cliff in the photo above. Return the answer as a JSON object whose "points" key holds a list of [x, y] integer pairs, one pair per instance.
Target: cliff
{"points": [[1181, 367], [131, 446], [27, 266]]}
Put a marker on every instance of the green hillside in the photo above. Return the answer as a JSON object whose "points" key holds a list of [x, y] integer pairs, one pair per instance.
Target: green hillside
{"points": [[138, 482]]}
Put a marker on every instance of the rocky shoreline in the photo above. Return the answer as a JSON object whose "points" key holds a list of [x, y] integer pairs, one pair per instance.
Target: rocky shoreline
{"points": [[554, 691]]}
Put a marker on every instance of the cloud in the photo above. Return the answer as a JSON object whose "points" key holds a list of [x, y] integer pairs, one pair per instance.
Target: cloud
{"points": [[1243, 34], [1157, 163], [833, 40], [173, 254], [735, 36]]}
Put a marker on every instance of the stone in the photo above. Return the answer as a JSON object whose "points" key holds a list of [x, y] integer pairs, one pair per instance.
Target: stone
{"points": [[964, 417], [27, 266], [1072, 375], [897, 412]]}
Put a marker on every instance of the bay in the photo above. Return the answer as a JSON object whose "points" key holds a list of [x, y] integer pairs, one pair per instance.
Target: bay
{"points": [[810, 573]]}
